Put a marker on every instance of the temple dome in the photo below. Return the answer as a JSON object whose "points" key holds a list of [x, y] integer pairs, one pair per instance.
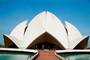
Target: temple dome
{"points": [[46, 27]]}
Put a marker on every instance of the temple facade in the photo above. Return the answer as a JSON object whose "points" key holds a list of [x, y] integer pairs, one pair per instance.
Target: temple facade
{"points": [[45, 31]]}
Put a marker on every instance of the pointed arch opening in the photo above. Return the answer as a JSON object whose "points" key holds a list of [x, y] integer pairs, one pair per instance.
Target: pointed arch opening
{"points": [[45, 41], [8, 43], [83, 44]]}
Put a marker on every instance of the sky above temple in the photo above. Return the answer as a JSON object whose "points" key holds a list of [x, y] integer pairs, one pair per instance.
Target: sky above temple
{"points": [[12, 12]]}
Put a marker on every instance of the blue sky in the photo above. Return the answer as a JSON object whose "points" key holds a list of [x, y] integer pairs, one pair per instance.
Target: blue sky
{"points": [[13, 12]]}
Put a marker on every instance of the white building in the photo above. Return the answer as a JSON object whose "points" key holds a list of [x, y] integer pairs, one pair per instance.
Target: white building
{"points": [[45, 31]]}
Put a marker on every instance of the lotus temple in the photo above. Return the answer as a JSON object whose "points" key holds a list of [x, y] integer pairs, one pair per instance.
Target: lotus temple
{"points": [[45, 31]]}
